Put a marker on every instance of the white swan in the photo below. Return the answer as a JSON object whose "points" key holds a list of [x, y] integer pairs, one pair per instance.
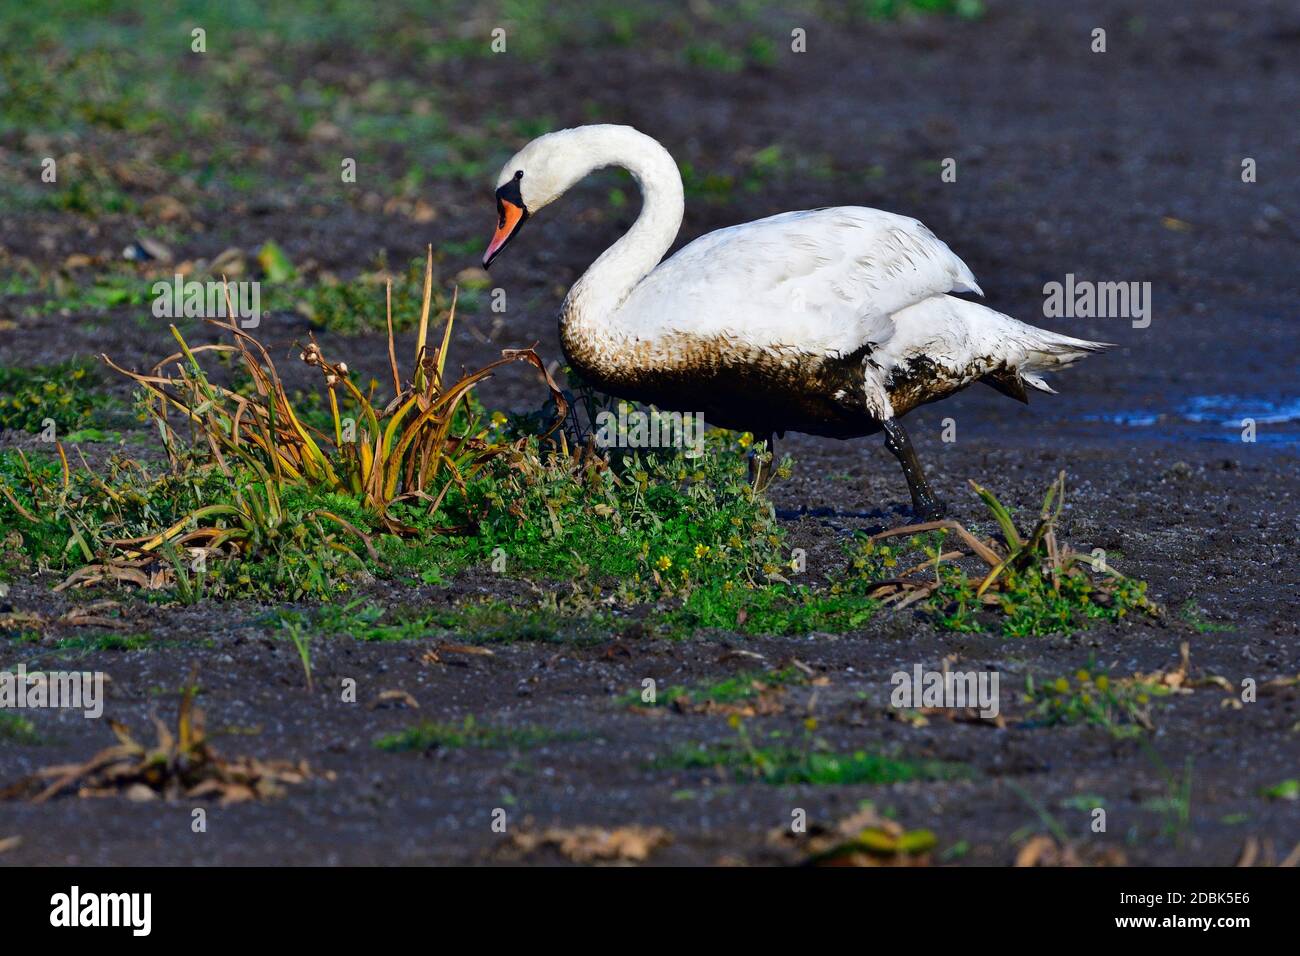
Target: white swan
{"points": [[828, 321]]}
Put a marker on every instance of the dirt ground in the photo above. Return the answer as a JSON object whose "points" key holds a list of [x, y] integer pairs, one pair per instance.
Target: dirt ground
{"points": [[1122, 166]]}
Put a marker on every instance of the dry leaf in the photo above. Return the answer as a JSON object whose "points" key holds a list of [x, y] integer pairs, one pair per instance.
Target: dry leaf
{"points": [[394, 696], [469, 649], [587, 844], [1042, 850], [863, 838], [919, 716]]}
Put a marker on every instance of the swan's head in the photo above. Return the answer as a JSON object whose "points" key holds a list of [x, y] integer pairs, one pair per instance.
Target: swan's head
{"points": [[536, 176]]}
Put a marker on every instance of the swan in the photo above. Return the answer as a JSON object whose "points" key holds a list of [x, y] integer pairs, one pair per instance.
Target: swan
{"points": [[832, 322]]}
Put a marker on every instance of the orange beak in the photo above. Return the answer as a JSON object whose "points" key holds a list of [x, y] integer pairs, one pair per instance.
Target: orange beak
{"points": [[509, 218]]}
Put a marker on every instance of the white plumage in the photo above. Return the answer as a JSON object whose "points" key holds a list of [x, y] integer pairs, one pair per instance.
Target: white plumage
{"points": [[823, 280], [739, 318]]}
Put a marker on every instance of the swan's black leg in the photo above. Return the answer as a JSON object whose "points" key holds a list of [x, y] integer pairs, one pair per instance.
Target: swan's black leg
{"points": [[760, 472], [924, 503]]}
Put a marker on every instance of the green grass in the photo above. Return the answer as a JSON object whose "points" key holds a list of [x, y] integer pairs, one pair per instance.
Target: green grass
{"points": [[793, 765], [779, 609], [1288, 789], [777, 759], [16, 729], [62, 527], [301, 641], [79, 293], [66, 394], [73, 69], [752, 176], [658, 526], [1175, 805], [110, 641], [893, 9], [345, 306], [433, 735], [1193, 615], [730, 690]]}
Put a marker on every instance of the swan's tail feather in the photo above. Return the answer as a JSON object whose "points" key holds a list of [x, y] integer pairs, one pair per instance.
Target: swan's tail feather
{"points": [[1033, 381], [1039, 351], [1048, 351]]}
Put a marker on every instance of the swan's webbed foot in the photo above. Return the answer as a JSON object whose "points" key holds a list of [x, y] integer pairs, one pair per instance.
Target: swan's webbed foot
{"points": [[926, 506]]}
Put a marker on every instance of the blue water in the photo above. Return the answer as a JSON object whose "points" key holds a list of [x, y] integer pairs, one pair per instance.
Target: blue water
{"points": [[1218, 418], [1228, 411]]}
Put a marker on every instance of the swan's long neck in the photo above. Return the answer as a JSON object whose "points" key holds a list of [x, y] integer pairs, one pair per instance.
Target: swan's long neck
{"points": [[589, 324]]}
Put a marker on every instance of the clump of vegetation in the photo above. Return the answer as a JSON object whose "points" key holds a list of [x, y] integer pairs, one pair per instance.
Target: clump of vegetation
{"points": [[109, 641], [779, 761], [1120, 705], [378, 453], [17, 729], [780, 607], [63, 395], [432, 735], [181, 764], [220, 536], [1033, 583], [1194, 616], [279, 505]]}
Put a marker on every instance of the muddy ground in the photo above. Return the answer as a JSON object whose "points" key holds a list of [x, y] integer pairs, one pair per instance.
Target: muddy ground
{"points": [[1122, 166]]}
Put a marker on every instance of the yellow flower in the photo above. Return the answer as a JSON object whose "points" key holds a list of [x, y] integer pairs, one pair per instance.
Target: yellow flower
{"points": [[498, 418], [701, 551], [810, 723], [1062, 685], [1103, 682], [734, 721], [746, 440], [1081, 676], [664, 562]]}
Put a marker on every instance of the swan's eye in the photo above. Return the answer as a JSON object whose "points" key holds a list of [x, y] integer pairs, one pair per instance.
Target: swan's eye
{"points": [[509, 192]]}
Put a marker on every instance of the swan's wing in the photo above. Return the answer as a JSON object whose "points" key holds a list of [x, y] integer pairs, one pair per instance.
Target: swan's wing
{"points": [[824, 281]]}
